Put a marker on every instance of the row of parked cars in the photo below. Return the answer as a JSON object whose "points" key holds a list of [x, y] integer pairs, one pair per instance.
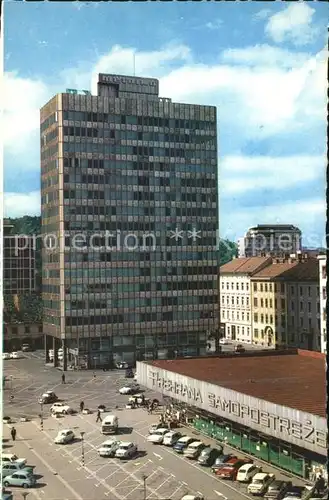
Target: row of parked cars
{"points": [[16, 472], [226, 466], [11, 355]]}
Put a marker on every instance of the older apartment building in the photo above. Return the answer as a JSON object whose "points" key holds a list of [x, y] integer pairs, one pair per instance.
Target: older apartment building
{"points": [[323, 301], [235, 293], [285, 304]]}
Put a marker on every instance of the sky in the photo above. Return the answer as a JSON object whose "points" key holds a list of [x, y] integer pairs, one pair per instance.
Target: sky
{"points": [[262, 64]]}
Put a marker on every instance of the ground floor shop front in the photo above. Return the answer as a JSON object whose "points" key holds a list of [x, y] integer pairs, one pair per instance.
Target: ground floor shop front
{"points": [[279, 453]]}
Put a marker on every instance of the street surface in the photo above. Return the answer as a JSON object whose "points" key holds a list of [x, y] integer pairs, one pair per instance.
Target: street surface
{"points": [[60, 470]]}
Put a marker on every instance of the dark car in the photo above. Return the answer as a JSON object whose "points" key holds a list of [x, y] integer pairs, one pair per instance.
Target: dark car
{"points": [[129, 373], [239, 348], [222, 460], [294, 491], [278, 489], [209, 455], [48, 397]]}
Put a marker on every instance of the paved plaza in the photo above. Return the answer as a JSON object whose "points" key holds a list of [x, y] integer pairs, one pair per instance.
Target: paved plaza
{"points": [[60, 469]]}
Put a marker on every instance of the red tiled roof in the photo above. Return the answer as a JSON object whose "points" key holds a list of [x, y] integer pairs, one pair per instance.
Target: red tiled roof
{"points": [[245, 265], [307, 270], [294, 380]]}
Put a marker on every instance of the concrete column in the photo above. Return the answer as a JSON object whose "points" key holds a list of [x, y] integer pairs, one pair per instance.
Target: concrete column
{"points": [[64, 346], [55, 348]]}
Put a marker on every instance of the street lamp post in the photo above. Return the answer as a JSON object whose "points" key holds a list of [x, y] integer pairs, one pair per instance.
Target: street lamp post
{"points": [[82, 449], [24, 494], [144, 477], [41, 416]]}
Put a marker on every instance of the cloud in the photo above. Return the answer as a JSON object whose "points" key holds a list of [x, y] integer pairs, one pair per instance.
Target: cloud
{"points": [[305, 214], [243, 173], [214, 25], [20, 204], [262, 14], [265, 56], [22, 98], [293, 24]]}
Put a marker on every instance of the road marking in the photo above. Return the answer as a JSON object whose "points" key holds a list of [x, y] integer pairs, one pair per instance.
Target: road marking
{"points": [[61, 479], [158, 456], [219, 494], [183, 482]]}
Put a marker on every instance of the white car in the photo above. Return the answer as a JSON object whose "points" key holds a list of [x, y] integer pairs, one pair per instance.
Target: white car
{"points": [[247, 472], [61, 408], [260, 483], [126, 450], [5, 355], [192, 497], [65, 436], [157, 436], [129, 389], [224, 341], [15, 355], [171, 438], [109, 448]]}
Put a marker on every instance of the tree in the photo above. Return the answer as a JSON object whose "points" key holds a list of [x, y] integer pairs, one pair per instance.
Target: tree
{"points": [[227, 251]]}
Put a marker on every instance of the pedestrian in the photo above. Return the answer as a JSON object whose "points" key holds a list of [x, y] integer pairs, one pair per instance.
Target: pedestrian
{"points": [[94, 375], [319, 485], [63, 378], [82, 405], [13, 433], [98, 419]]}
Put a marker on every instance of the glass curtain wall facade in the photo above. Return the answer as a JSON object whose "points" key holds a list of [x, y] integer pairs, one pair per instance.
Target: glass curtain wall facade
{"points": [[130, 220]]}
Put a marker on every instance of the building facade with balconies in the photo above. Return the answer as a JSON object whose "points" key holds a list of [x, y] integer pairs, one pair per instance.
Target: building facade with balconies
{"points": [[270, 239], [285, 304], [235, 296]]}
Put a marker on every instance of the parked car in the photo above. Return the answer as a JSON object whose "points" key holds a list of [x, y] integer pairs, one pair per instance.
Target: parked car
{"points": [[224, 341], [260, 483], [294, 492], [182, 444], [277, 489], [157, 436], [109, 448], [239, 348], [247, 472], [171, 438], [11, 458], [10, 468], [61, 408], [155, 427], [5, 355], [194, 449], [192, 497], [64, 436], [230, 470], [126, 450], [121, 365], [48, 397], [209, 455], [222, 460], [15, 355], [129, 389], [21, 478], [26, 347]]}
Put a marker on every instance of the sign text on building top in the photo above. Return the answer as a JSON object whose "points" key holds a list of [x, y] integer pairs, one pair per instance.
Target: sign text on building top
{"points": [[126, 79], [252, 415]]}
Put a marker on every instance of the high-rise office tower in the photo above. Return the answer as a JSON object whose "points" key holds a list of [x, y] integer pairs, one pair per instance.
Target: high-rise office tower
{"points": [[130, 197]]}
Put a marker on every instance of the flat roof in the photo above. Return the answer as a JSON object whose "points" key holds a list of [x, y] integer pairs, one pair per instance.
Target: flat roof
{"points": [[296, 379]]}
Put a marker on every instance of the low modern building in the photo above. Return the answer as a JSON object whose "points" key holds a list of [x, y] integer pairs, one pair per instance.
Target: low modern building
{"points": [[323, 301], [16, 334], [273, 239], [285, 303], [234, 293], [271, 405]]}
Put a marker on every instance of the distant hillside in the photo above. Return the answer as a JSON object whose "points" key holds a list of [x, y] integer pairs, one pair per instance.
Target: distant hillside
{"points": [[26, 225]]}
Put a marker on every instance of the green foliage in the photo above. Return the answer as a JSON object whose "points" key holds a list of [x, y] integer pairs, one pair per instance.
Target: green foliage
{"points": [[26, 225], [24, 308], [227, 251]]}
